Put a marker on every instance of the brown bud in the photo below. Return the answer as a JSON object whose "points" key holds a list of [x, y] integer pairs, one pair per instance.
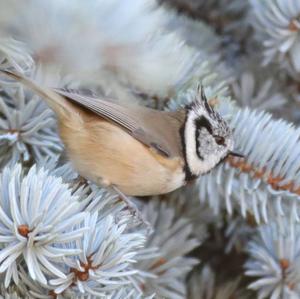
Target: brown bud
{"points": [[284, 263], [23, 230], [292, 26]]}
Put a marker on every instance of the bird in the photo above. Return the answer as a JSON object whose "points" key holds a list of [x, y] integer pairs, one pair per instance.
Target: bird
{"points": [[137, 150]]}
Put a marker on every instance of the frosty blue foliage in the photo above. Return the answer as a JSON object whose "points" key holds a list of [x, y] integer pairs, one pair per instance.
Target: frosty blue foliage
{"points": [[62, 170], [63, 237], [186, 203], [38, 214], [209, 46], [214, 89], [129, 294], [253, 91], [274, 260], [146, 57], [104, 262], [15, 54], [267, 181], [124, 293], [9, 293], [164, 274], [65, 249], [216, 13], [237, 232], [209, 42], [34, 289], [278, 26], [204, 285], [27, 128], [213, 7]]}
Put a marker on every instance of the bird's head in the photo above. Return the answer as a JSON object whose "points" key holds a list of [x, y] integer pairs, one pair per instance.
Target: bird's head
{"points": [[206, 136]]}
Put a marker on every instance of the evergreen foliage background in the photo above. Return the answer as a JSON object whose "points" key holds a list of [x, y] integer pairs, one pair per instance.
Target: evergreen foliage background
{"points": [[234, 233]]}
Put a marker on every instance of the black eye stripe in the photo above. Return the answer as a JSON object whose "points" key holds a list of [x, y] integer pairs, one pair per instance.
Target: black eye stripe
{"points": [[198, 145], [202, 122]]}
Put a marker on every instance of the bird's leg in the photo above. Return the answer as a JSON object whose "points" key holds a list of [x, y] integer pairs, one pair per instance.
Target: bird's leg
{"points": [[131, 206], [134, 209]]}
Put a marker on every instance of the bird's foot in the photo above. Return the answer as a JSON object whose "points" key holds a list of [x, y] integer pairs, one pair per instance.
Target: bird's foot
{"points": [[134, 210]]}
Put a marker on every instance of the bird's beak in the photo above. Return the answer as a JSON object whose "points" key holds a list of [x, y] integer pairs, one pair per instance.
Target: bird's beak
{"points": [[236, 154]]}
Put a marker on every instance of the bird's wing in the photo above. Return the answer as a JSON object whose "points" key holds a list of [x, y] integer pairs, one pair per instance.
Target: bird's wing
{"points": [[155, 129]]}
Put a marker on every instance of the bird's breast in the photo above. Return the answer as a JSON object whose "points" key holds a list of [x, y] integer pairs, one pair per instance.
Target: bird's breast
{"points": [[100, 150]]}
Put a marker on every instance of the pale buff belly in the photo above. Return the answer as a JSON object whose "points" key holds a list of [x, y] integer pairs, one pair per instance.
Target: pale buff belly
{"points": [[107, 154]]}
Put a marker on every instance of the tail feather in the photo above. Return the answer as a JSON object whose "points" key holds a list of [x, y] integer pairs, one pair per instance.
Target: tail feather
{"points": [[56, 102]]}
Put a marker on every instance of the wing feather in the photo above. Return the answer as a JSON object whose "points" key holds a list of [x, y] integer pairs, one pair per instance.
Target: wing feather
{"points": [[101, 107], [146, 125]]}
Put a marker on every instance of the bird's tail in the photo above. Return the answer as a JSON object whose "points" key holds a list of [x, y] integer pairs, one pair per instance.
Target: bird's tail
{"points": [[56, 102]]}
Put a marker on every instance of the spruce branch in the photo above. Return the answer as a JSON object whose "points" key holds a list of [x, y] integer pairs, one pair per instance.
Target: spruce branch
{"points": [[277, 25], [9, 293], [14, 54], [258, 90], [148, 58], [33, 289], [186, 204], [276, 165], [205, 284], [274, 260], [267, 179], [61, 237], [63, 243], [268, 176], [27, 128], [228, 18], [38, 214], [217, 13], [104, 262], [164, 274]]}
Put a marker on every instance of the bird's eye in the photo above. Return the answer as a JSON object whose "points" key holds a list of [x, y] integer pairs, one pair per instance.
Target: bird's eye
{"points": [[219, 140]]}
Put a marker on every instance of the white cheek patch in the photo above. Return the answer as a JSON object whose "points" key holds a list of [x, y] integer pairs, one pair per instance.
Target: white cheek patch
{"points": [[195, 164], [193, 161]]}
